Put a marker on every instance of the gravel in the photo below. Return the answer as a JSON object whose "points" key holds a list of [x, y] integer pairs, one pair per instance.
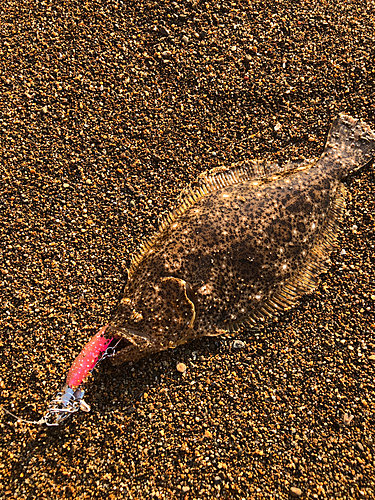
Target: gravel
{"points": [[107, 110], [181, 367], [238, 344]]}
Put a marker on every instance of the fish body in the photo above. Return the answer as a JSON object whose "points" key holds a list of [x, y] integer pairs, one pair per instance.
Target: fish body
{"points": [[245, 243]]}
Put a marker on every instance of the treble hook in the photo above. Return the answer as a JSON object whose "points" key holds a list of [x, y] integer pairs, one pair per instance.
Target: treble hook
{"points": [[70, 399]]}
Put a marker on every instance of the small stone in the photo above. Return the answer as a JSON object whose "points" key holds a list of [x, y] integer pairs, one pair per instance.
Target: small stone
{"points": [[238, 344], [343, 252], [277, 127], [166, 54], [207, 434], [65, 185], [347, 418], [185, 489], [45, 109], [185, 39], [295, 492], [247, 60], [181, 367], [372, 297], [163, 31], [372, 357], [359, 446]]}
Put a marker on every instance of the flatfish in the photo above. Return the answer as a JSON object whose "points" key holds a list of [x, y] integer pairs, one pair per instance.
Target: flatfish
{"points": [[243, 245]]}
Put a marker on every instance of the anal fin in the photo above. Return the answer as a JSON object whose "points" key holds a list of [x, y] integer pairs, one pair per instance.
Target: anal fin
{"points": [[306, 278]]}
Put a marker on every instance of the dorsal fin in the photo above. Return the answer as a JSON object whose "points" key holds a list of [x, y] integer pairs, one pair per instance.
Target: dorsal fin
{"points": [[248, 170], [215, 179]]}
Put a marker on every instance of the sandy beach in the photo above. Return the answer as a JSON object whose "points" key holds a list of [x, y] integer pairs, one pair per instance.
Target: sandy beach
{"points": [[108, 109]]}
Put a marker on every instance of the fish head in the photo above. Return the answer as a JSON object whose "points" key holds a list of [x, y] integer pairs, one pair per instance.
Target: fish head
{"points": [[152, 317]]}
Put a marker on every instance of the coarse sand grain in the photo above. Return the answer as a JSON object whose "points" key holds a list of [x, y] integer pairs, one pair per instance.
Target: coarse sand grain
{"points": [[107, 110]]}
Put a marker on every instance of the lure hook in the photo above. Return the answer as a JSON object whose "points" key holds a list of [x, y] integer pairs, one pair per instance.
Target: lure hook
{"points": [[70, 399]]}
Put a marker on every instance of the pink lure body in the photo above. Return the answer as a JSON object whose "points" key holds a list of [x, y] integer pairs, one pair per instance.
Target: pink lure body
{"points": [[87, 358]]}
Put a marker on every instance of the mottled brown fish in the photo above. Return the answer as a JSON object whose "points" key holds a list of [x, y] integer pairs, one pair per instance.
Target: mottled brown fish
{"points": [[244, 244]]}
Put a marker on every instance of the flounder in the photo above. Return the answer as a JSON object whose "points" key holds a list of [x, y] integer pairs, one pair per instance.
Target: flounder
{"points": [[244, 244]]}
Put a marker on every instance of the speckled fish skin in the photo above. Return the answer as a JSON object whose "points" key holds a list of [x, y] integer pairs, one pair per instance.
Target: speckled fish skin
{"points": [[241, 252]]}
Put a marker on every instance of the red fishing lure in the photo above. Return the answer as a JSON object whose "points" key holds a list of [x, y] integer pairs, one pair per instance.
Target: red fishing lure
{"points": [[70, 400]]}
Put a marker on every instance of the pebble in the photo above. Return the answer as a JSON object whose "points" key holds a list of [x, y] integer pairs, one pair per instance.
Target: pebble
{"points": [[185, 39], [141, 130], [164, 31], [238, 344], [359, 446], [295, 492], [166, 54], [181, 367]]}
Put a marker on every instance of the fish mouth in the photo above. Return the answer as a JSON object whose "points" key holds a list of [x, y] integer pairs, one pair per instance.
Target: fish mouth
{"points": [[117, 345], [124, 338]]}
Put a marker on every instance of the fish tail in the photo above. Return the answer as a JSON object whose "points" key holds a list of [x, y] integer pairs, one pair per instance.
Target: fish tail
{"points": [[350, 145]]}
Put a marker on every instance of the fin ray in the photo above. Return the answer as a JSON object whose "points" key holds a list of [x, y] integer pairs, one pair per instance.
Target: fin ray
{"points": [[214, 180], [306, 279]]}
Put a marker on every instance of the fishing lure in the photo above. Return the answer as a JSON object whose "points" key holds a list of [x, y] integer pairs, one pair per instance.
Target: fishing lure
{"points": [[244, 244]]}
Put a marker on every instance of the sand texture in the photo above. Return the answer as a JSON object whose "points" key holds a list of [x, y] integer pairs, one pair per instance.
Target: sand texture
{"points": [[108, 109]]}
